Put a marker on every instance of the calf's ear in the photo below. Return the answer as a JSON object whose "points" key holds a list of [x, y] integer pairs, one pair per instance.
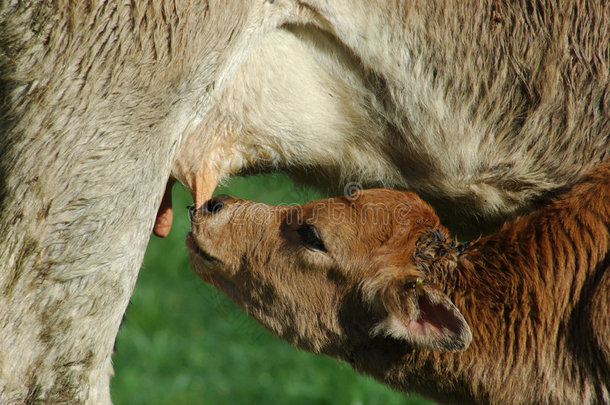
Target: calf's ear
{"points": [[424, 317]]}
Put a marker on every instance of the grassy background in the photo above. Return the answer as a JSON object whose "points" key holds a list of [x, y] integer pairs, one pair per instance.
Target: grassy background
{"points": [[183, 342]]}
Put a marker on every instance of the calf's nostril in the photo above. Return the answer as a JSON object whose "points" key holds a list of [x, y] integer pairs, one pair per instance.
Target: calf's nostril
{"points": [[192, 210], [215, 204]]}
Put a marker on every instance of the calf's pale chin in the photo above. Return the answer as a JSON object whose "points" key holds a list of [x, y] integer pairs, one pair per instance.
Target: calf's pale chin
{"points": [[197, 258]]}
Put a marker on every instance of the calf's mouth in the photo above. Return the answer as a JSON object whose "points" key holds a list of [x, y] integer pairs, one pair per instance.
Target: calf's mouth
{"points": [[194, 248]]}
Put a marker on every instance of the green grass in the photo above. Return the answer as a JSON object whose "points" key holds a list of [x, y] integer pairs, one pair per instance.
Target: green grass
{"points": [[183, 342]]}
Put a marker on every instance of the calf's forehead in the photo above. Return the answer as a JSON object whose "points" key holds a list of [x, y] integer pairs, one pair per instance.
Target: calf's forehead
{"points": [[370, 218], [378, 206]]}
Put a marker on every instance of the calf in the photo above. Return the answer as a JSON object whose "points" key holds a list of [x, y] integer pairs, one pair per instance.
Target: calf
{"points": [[519, 316]]}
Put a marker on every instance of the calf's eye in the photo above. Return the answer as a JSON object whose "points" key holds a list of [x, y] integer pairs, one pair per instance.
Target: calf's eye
{"points": [[310, 236]]}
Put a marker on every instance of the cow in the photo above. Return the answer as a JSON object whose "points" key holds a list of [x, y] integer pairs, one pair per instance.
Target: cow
{"points": [[486, 109]]}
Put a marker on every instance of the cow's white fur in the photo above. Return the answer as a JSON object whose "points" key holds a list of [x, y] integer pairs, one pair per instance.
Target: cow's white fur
{"points": [[102, 100]]}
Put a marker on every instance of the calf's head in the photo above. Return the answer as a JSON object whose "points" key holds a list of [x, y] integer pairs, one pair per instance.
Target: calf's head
{"points": [[333, 274]]}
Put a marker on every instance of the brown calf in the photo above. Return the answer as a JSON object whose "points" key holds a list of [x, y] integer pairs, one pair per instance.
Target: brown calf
{"points": [[520, 316]]}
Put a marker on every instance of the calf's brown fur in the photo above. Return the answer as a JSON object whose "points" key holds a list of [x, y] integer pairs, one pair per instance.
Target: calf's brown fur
{"points": [[520, 316]]}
